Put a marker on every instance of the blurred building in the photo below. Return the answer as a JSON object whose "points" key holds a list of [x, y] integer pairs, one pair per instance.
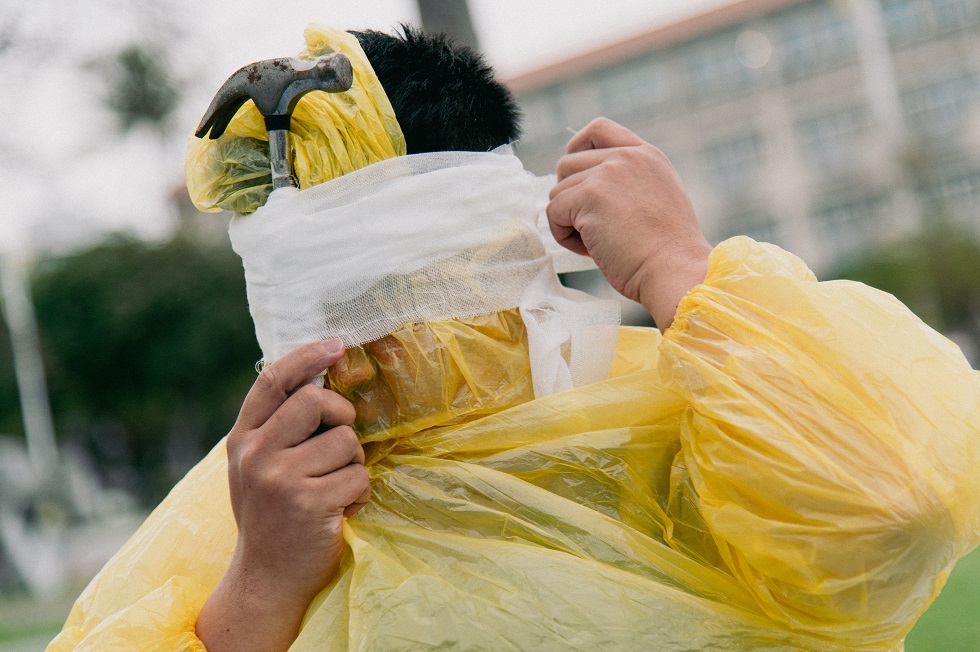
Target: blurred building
{"points": [[764, 109]]}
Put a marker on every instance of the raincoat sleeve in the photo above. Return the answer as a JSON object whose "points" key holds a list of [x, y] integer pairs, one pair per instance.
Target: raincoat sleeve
{"points": [[832, 439], [150, 593]]}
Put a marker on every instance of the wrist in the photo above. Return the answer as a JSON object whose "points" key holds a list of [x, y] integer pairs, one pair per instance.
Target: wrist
{"points": [[250, 609], [668, 275], [277, 586]]}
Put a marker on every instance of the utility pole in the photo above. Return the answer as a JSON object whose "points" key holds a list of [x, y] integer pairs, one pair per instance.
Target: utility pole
{"points": [[451, 17], [42, 450]]}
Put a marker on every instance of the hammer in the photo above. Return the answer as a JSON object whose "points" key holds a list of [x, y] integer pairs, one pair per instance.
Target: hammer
{"points": [[276, 86]]}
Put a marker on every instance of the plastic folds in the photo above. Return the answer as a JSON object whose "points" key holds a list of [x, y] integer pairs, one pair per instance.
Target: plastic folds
{"points": [[793, 466], [434, 374]]}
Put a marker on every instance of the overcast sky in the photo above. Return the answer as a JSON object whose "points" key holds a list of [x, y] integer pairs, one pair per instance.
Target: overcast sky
{"points": [[67, 169], [515, 34]]}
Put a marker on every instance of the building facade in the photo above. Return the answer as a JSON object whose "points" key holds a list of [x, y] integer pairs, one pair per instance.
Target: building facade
{"points": [[773, 116]]}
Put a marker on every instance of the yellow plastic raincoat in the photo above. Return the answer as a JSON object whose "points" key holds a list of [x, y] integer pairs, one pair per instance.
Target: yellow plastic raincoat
{"points": [[793, 465]]}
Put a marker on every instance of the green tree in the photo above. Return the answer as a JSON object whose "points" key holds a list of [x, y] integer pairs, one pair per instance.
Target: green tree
{"points": [[149, 351], [142, 89]]}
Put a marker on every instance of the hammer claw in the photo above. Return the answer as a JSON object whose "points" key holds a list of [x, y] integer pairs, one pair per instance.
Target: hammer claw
{"points": [[218, 116], [276, 86]]}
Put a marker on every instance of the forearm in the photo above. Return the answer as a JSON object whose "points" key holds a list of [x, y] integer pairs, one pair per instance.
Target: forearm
{"points": [[290, 492], [245, 613]]}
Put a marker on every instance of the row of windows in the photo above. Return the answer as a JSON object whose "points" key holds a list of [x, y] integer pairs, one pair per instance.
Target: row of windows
{"points": [[908, 20], [850, 226], [832, 142], [638, 86], [846, 228], [806, 40], [961, 193], [940, 108], [816, 39], [735, 162]]}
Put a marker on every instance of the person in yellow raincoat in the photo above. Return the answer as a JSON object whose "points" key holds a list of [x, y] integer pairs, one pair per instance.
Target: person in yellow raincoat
{"points": [[791, 464]]}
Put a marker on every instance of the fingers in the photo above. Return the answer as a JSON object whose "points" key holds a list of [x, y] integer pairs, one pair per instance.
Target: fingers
{"points": [[349, 486], [303, 413], [569, 238], [272, 387], [602, 133], [590, 179], [326, 453], [563, 200], [572, 164], [567, 201]]}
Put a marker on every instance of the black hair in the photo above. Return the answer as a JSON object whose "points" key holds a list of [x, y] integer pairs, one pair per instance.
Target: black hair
{"points": [[444, 95]]}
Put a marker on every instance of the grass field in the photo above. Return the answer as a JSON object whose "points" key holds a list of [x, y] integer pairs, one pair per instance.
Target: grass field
{"points": [[952, 623], [28, 625]]}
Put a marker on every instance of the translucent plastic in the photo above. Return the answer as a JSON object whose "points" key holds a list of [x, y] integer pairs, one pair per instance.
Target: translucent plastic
{"points": [[793, 465], [425, 375], [331, 134]]}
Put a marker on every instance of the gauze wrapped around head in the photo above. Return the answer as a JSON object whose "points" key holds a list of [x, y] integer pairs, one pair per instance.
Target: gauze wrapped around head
{"points": [[403, 240], [331, 134], [419, 238]]}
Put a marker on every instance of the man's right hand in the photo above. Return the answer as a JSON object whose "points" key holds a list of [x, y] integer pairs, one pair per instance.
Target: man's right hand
{"points": [[290, 490], [619, 200]]}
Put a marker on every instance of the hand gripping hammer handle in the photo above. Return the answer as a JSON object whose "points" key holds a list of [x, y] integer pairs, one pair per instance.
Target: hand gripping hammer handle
{"points": [[276, 86]]}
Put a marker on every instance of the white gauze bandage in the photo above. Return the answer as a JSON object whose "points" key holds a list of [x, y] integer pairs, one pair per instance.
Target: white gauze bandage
{"points": [[421, 238]]}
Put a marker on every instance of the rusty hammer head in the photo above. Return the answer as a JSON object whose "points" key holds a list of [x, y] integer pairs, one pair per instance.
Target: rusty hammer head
{"points": [[275, 85]]}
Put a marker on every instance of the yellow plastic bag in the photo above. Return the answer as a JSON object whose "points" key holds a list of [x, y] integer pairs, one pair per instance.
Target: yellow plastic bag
{"points": [[792, 466], [426, 375], [331, 134]]}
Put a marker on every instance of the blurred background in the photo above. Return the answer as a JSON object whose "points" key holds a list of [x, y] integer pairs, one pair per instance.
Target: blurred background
{"points": [[846, 131]]}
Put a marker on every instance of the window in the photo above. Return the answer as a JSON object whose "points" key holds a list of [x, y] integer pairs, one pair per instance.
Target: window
{"points": [[636, 87], [848, 228], [905, 19], [544, 115], [954, 14], [940, 108], [735, 163], [715, 69], [832, 141], [908, 19], [961, 191], [759, 226], [816, 39]]}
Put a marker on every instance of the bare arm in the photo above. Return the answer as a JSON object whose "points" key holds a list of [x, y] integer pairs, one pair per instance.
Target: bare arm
{"points": [[290, 491]]}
